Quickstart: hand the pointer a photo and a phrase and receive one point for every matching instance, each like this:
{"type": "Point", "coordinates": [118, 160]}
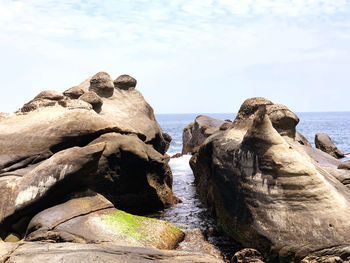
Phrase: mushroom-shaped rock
{"type": "Point", "coordinates": [92, 98]}
{"type": "Point", "coordinates": [250, 106]}
{"type": "Point", "coordinates": [344, 165]}
{"type": "Point", "coordinates": [324, 143]}
{"type": "Point", "coordinates": [125, 82]}
{"type": "Point", "coordinates": [74, 92]}
{"type": "Point", "coordinates": [283, 120]}
{"type": "Point", "coordinates": [49, 95]}
{"type": "Point", "coordinates": [132, 111]}
{"type": "Point", "coordinates": [102, 84]}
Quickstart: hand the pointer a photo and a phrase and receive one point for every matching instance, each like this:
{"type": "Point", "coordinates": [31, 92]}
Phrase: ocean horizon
{"type": "Point", "coordinates": [334, 123]}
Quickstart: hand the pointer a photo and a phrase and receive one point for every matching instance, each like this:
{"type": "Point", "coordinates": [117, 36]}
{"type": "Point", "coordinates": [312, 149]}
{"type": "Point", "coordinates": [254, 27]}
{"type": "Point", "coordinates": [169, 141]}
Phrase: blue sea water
{"type": "Point", "coordinates": [335, 124]}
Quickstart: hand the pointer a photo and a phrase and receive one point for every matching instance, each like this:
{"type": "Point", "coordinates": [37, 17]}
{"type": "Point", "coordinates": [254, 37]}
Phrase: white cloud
{"type": "Point", "coordinates": [189, 37]}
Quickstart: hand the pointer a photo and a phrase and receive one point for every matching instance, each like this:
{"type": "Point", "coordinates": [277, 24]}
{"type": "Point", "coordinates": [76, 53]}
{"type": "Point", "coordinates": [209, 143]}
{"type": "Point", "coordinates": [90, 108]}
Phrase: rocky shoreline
{"type": "Point", "coordinates": [79, 170]}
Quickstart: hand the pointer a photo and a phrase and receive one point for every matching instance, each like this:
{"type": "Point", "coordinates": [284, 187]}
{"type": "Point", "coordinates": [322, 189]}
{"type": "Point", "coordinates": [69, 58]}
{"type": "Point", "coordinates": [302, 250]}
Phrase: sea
{"type": "Point", "coordinates": [335, 124]}
{"type": "Point", "coordinates": [190, 215]}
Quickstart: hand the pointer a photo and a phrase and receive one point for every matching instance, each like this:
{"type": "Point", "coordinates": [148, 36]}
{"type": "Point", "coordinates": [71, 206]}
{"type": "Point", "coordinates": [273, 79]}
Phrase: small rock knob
{"type": "Point", "coordinates": [102, 84]}
{"type": "Point", "coordinates": [92, 98]}
{"type": "Point", "coordinates": [125, 82]}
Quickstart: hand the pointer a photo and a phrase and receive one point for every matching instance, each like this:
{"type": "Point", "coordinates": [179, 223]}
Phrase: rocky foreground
{"type": "Point", "coordinates": [268, 188]}
{"type": "Point", "coordinates": [74, 165]}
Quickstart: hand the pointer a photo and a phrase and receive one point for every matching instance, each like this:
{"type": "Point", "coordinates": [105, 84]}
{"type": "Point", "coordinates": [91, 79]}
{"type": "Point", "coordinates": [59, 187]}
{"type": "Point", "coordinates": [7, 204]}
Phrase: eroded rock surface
{"type": "Point", "coordinates": [46, 184]}
{"type": "Point", "coordinates": [102, 84]}
{"type": "Point", "coordinates": [94, 138]}
{"type": "Point", "coordinates": [144, 187]}
{"type": "Point", "coordinates": [33, 252]}
{"type": "Point", "coordinates": [125, 82]}
{"type": "Point", "coordinates": [129, 108]}
{"type": "Point", "coordinates": [247, 255]}
{"type": "Point", "coordinates": [270, 192]}
{"type": "Point", "coordinates": [324, 143]}
{"type": "Point", "coordinates": [196, 132]}
{"type": "Point", "coordinates": [344, 165]}
{"type": "Point", "coordinates": [93, 219]}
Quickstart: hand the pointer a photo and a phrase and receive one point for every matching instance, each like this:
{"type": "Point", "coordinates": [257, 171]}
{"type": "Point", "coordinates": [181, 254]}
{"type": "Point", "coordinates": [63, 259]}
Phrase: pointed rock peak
{"type": "Point", "coordinates": [125, 82]}
{"type": "Point", "coordinates": [102, 84]}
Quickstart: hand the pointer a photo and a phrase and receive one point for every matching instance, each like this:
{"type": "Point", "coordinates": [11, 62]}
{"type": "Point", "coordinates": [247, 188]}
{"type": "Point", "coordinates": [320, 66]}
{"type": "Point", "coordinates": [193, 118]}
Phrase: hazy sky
{"type": "Point", "coordinates": [187, 55]}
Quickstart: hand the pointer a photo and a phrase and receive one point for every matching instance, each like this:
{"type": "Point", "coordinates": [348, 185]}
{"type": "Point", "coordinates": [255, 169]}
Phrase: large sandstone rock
{"type": "Point", "coordinates": [41, 166]}
{"type": "Point", "coordinates": [93, 219]}
{"type": "Point", "coordinates": [268, 192]}
{"type": "Point", "coordinates": [324, 143]}
{"type": "Point", "coordinates": [196, 132]}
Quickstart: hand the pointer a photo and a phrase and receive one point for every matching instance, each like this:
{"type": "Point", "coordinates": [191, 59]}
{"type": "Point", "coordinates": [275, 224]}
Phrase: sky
{"type": "Point", "coordinates": [187, 55]}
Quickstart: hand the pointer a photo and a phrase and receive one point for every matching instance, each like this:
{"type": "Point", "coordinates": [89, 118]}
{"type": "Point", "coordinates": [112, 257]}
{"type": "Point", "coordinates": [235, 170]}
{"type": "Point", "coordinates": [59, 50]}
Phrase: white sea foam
{"type": "Point", "coordinates": [181, 164]}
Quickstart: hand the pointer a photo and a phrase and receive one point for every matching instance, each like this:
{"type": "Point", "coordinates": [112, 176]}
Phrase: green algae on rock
{"type": "Point", "coordinates": [161, 234]}
{"type": "Point", "coordinates": [91, 218]}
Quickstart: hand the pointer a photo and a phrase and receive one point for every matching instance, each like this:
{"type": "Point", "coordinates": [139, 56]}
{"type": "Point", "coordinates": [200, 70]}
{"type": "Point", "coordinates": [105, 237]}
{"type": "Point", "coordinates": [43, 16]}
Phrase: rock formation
{"type": "Point", "coordinates": [196, 132]}
{"type": "Point", "coordinates": [91, 218]}
{"type": "Point", "coordinates": [324, 143]}
{"type": "Point", "coordinates": [344, 165]}
{"type": "Point", "coordinates": [272, 193]}
{"type": "Point", "coordinates": [125, 82]}
{"type": "Point", "coordinates": [247, 255]}
{"type": "Point", "coordinates": [71, 163]}
{"type": "Point", "coordinates": [34, 252]}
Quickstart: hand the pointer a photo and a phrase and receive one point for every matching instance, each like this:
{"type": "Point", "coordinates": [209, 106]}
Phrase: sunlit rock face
{"type": "Point", "coordinates": [270, 192]}
{"type": "Point", "coordinates": [93, 136]}
{"type": "Point", "coordinates": [325, 144]}
{"type": "Point", "coordinates": [198, 131]}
